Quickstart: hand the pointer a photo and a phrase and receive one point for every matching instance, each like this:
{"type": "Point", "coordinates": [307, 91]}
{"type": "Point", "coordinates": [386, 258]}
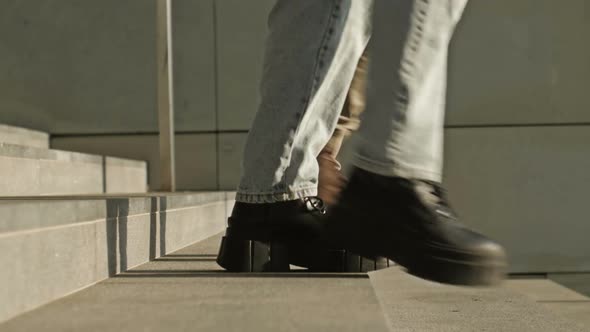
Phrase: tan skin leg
{"type": "Point", "coordinates": [331, 180]}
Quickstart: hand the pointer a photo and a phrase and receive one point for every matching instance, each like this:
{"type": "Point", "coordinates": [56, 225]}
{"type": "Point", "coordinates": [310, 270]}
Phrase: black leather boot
{"type": "Point", "coordinates": [270, 237]}
{"type": "Point", "coordinates": [411, 223]}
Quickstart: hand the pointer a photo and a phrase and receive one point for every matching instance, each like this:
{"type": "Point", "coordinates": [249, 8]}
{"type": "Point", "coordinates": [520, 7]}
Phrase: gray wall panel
{"type": "Point", "coordinates": [569, 36]}
{"type": "Point", "coordinates": [78, 65]}
{"type": "Point", "coordinates": [526, 187]}
{"type": "Point", "coordinates": [231, 148]}
{"type": "Point", "coordinates": [196, 162]}
{"type": "Point", "coordinates": [520, 62]}
{"type": "Point", "coordinates": [241, 31]}
{"type": "Point", "coordinates": [194, 66]}
{"type": "Point", "coordinates": [89, 66]}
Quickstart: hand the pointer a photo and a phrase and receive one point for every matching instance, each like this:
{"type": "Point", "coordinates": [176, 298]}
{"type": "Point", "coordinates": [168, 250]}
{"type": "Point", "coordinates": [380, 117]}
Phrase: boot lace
{"type": "Point", "coordinates": [315, 204]}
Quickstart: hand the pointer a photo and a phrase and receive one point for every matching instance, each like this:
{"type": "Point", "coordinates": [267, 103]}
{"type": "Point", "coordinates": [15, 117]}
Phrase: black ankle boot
{"type": "Point", "coordinates": [270, 237]}
{"type": "Point", "coordinates": [259, 236]}
{"type": "Point", "coordinates": [411, 223]}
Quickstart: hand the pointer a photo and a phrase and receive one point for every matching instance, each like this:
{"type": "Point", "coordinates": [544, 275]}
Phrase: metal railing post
{"type": "Point", "coordinates": [165, 95]}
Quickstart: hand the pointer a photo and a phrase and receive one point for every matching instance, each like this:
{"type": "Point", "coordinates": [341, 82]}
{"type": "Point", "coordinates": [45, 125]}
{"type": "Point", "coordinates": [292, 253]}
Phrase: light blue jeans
{"type": "Point", "coordinates": [312, 51]}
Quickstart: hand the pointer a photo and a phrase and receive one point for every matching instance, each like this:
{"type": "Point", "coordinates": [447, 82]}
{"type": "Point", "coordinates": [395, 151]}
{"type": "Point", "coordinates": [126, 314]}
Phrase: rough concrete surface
{"type": "Point", "coordinates": [560, 300]}
{"type": "Point", "coordinates": [413, 304]}
{"type": "Point", "coordinates": [125, 176]}
{"type": "Point", "coordinates": [24, 137]}
{"type": "Point", "coordinates": [186, 291]}
{"type": "Point", "coordinates": [38, 171]}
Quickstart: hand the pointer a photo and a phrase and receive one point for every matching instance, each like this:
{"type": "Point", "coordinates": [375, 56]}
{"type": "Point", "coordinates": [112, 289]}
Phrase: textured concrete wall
{"type": "Point", "coordinates": [521, 62]}
{"type": "Point", "coordinates": [89, 66]}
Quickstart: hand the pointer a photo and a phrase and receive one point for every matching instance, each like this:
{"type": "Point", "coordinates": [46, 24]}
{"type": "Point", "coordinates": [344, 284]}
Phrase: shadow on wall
{"type": "Point", "coordinates": [162, 215]}
{"type": "Point", "coordinates": [117, 228]}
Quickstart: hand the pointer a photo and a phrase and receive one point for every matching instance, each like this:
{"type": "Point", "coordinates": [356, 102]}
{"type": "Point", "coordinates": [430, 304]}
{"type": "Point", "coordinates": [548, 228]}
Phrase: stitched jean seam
{"type": "Point", "coordinates": [411, 50]}
{"type": "Point", "coordinates": [407, 69]}
{"type": "Point", "coordinates": [315, 77]}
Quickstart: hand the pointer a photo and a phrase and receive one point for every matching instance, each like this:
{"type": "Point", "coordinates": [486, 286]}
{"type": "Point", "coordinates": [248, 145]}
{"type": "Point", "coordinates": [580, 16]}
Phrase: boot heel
{"type": "Point", "coordinates": [354, 263]}
{"type": "Point", "coordinates": [278, 258]}
{"type": "Point", "coordinates": [357, 263]}
{"type": "Point", "coordinates": [345, 261]}
{"type": "Point", "coordinates": [374, 264]}
{"type": "Point", "coordinates": [322, 260]}
{"type": "Point", "coordinates": [383, 263]}
{"type": "Point", "coordinates": [252, 256]}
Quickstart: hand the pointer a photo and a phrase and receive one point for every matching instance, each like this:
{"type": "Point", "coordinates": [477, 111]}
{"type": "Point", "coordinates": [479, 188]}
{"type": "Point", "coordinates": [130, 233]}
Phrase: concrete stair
{"type": "Point", "coordinates": [28, 167]}
{"type": "Point", "coordinates": [412, 304]}
{"type": "Point", "coordinates": [186, 291]}
{"type": "Point", "coordinates": [53, 246]}
{"type": "Point", "coordinates": [69, 220]}
{"type": "Point", "coordinates": [24, 137]}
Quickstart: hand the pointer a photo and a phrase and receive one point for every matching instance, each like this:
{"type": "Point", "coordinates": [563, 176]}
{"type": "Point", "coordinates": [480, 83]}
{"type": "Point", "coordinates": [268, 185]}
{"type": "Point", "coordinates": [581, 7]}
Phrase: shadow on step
{"type": "Point", "coordinates": [117, 229]}
{"type": "Point", "coordinates": [224, 274]}
{"type": "Point", "coordinates": [188, 256]}
{"type": "Point", "coordinates": [116, 235]}
{"type": "Point", "coordinates": [185, 259]}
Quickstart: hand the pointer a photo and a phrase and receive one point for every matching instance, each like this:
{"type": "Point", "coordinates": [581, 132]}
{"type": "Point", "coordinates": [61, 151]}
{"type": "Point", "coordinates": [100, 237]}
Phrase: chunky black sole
{"type": "Point", "coordinates": [252, 256]}
{"type": "Point", "coordinates": [458, 272]}
{"type": "Point", "coordinates": [445, 267]}
{"type": "Point", "coordinates": [242, 255]}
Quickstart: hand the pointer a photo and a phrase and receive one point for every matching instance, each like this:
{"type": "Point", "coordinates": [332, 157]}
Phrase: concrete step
{"type": "Point", "coordinates": [53, 246]}
{"type": "Point", "coordinates": [24, 137]}
{"type": "Point", "coordinates": [29, 171]}
{"type": "Point", "coordinates": [187, 291]}
{"type": "Point", "coordinates": [560, 300]}
{"type": "Point", "coordinates": [413, 304]}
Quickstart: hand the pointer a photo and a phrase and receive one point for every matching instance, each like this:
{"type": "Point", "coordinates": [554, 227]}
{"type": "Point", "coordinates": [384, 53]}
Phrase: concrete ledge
{"type": "Point", "coordinates": [56, 253]}
{"type": "Point", "coordinates": [561, 301]}
{"type": "Point", "coordinates": [34, 212]}
{"type": "Point", "coordinates": [18, 151]}
{"type": "Point", "coordinates": [413, 304]}
{"type": "Point", "coordinates": [37, 171]}
{"type": "Point", "coordinates": [579, 282]}
{"type": "Point", "coordinates": [22, 136]}
{"type": "Point", "coordinates": [125, 175]}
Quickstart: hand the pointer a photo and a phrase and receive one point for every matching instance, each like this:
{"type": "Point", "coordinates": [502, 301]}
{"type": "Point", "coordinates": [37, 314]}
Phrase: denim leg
{"type": "Point", "coordinates": [401, 131]}
{"type": "Point", "coordinates": [312, 51]}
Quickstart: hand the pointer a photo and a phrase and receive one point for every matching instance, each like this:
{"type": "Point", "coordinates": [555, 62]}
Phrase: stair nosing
{"type": "Point", "coordinates": [41, 212]}
{"type": "Point", "coordinates": [29, 152]}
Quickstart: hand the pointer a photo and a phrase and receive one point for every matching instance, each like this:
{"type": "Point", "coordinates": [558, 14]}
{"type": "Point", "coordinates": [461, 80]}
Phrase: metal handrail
{"type": "Point", "coordinates": [165, 95]}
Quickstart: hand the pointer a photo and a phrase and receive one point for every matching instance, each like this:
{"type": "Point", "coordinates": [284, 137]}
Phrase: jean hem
{"type": "Point", "coordinates": [273, 197]}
